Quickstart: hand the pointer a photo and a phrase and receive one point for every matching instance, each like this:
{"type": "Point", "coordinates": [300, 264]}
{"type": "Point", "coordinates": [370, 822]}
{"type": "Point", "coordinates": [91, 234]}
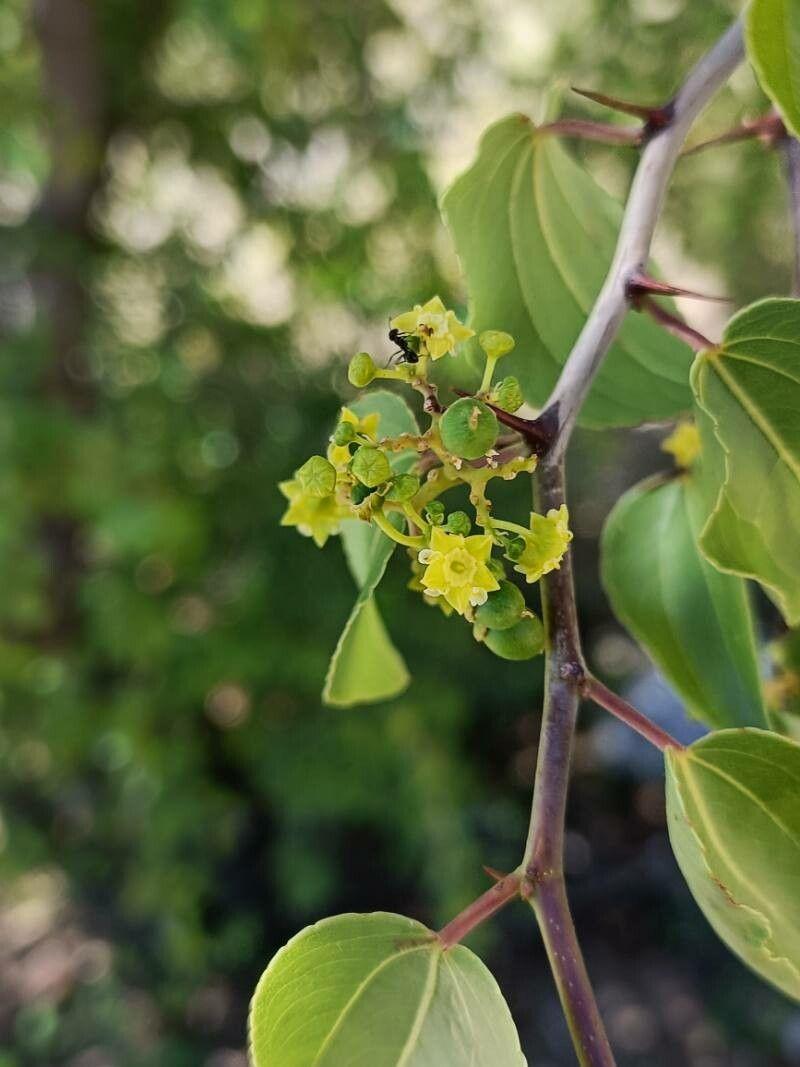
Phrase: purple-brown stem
{"type": "Point", "coordinates": [577, 999]}
{"type": "Point", "coordinates": [543, 862]}
{"type": "Point", "coordinates": [605, 132]}
{"type": "Point", "coordinates": [672, 324]}
{"type": "Point", "coordinates": [769, 129]}
{"type": "Point", "coordinates": [627, 713]}
{"type": "Point", "coordinates": [507, 889]}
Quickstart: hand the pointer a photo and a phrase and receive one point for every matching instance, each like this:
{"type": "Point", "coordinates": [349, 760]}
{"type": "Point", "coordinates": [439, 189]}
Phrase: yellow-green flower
{"type": "Point", "coordinates": [437, 328]}
{"type": "Point", "coordinates": [316, 517]}
{"type": "Point", "coordinates": [683, 443]}
{"type": "Point", "coordinates": [545, 545]}
{"type": "Point", "coordinates": [455, 568]}
{"type": "Point", "coordinates": [339, 455]}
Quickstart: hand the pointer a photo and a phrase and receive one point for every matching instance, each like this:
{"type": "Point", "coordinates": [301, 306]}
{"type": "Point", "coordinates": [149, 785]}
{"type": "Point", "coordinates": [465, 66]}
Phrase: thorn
{"type": "Point", "coordinates": [496, 876]}
{"type": "Point", "coordinates": [769, 129]}
{"type": "Point", "coordinates": [641, 284]}
{"type": "Point", "coordinates": [654, 118]}
{"type": "Point", "coordinates": [672, 324]}
{"type": "Point", "coordinates": [537, 432]}
{"type": "Point", "coordinates": [594, 131]}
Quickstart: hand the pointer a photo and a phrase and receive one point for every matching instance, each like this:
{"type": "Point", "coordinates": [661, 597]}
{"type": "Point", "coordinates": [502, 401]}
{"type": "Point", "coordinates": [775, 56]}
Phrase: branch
{"type": "Point", "coordinates": [565, 671]}
{"type": "Point", "coordinates": [792, 153]}
{"type": "Point", "coordinates": [627, 713]}
{"type": "Point", "coordinates": [506, 889]}
{"type": "Point", "coordinates": [543, 863]}
{"type": "Point", "coordinates": [636, 234]}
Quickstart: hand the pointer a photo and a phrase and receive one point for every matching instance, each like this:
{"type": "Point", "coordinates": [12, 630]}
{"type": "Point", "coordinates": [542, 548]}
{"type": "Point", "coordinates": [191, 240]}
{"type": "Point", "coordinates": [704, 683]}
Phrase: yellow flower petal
{"type": "Point", "coordinates": [407, 322]}
{"type": "Point", "coordinates": [545, 545]}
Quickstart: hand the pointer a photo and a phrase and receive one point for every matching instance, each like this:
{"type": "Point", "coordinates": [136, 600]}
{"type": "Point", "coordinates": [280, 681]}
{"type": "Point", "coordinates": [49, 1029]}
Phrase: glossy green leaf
{"type": "Point", "coordinates": [536, 235]}
{"type": "Point", "coordinates": [693, 620]}
{"type": "Point", "coordinates": [733, 809]}
{"type": "Point", "coordinates": [773, 44]}
{"type": "Point", "coordinates": [366, 667]}
{"type": "Point", "coordinates": [749, 389]}
{"type": "Point", "coordinates": [379, 991]}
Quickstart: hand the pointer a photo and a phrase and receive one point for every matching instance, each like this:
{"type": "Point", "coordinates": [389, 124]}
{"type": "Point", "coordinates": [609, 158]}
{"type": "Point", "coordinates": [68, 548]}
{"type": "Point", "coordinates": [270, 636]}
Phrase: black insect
{"type": "Point", "coordinates": [407, 346]}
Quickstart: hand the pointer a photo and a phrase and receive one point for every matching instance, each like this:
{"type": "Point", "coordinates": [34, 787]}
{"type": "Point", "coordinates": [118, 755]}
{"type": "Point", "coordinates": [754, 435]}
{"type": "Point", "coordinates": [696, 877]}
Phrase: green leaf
{"type": "Point", "coordinates": [379, 990]}
{"type": "Point", "coordinates": [366, 667]}
{"type": "Point", "coordinates": [733, 810]}
{"type": "Point", "coordinates": [749, 389]}
{"type": "Point", "coordinates": [773, 44]}
{"type": "Point", "coordinates": [536, 235]}
{"type": "Point", "coordinates": [693, 620]}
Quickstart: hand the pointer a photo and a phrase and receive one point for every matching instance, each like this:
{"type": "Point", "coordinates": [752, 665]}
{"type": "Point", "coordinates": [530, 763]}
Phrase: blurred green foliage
{"type": "Point", "coordinates": [206, 208]}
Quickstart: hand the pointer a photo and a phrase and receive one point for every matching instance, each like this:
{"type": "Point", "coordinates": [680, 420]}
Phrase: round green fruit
{"type": "Point", "coordinates": [524, 640]}
{"type": "Point", "coordinates": [468, 428]}
{"type": "Point", "coordinates": [371, 466]}
{"type": "Point", "coordinates": [362, 370]}
{"type": "Point", "coordinates": [503, 608]}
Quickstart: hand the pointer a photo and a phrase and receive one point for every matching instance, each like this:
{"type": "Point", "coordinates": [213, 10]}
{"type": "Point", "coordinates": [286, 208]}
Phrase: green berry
{"type": "Point", "coordinates": [404, 487]}
{"type": "Point", "coordinates": [503, 608]}
{"type": "Point", "coordinates": [434, 513]}
{"type": "Point", "coordinates": [507, 394]}
{"type": "Point", "coordinates": [524, 640]}
{"type": "Point", "coordinates": [344, 433]}
{"type": "Point", "coordinates": [496, 567]}
{"type": "Point", "coordinates": [371, 466]}
{"type": "Point", "coordinates": [495, 343]}
{"type": "Point", "coordinates": [458, 522]}
{"type": "Point", "coordinates": [515, 547]}
{"type": "Point", "coordinates": [362, 370]}
{"type": "Point", "coordinates": [317, 477]}
{"type": "Point", "coordinates": [468, 428]}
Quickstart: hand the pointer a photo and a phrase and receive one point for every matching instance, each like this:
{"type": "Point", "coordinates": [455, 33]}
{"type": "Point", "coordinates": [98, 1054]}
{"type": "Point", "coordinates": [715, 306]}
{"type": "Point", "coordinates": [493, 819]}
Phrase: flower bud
{"type": "Point", "coordinates": [495, 343]}
{"type": "Point", "coordinates": [434, 513]}
{"type": "Point", "coordinates": [458, 522]}
{"type": "Point", "coordinates": [468, 428]}
{"type": "Point", "coordinates": [523, 640]}
{"type": "Point", "coordinates": [371, 466]}
{"type": "Point", "coordinates": [344, 433]}
{"type": "Point", "coordinates": [362, 370]}
{"type": "Point", "coordinates": [317, 477]}
{"type": "Point", "coordinates": [507, 394]}
{"type": "Point", "coordinates": [404, 487]}
{"type": "Point", "coordinates": [503, 608]}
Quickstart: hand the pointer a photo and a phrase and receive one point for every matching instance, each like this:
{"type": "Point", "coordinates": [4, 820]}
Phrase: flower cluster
{"type": "Point", "coordinates": [459, 561]}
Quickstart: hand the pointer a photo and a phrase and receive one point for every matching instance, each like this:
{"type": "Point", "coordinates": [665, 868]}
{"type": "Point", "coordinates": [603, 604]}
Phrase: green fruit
{"type": "Point", "coordinates": [458, 522]}
{"type": "Point", "coordinates": [404, 487]}
{"type": "Point", "coordinates": [503, 608]}
{"type": "Point", "coordinates": [317, 477]}
{"type": "Point", "coordinates": [507, 394]}
{"type": "Point", "coordinates": [362, 370]}
{"type": "Point", "coordinates": [524, 640]}
{"type": "Point", "coordinates": [468, 428]}
{"type": "Point", "coordinates": [434, 513]}
{"type": "Point", "coordinates": [344, 433]}
{"type": "Point", "coordinates": [371, 466]}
